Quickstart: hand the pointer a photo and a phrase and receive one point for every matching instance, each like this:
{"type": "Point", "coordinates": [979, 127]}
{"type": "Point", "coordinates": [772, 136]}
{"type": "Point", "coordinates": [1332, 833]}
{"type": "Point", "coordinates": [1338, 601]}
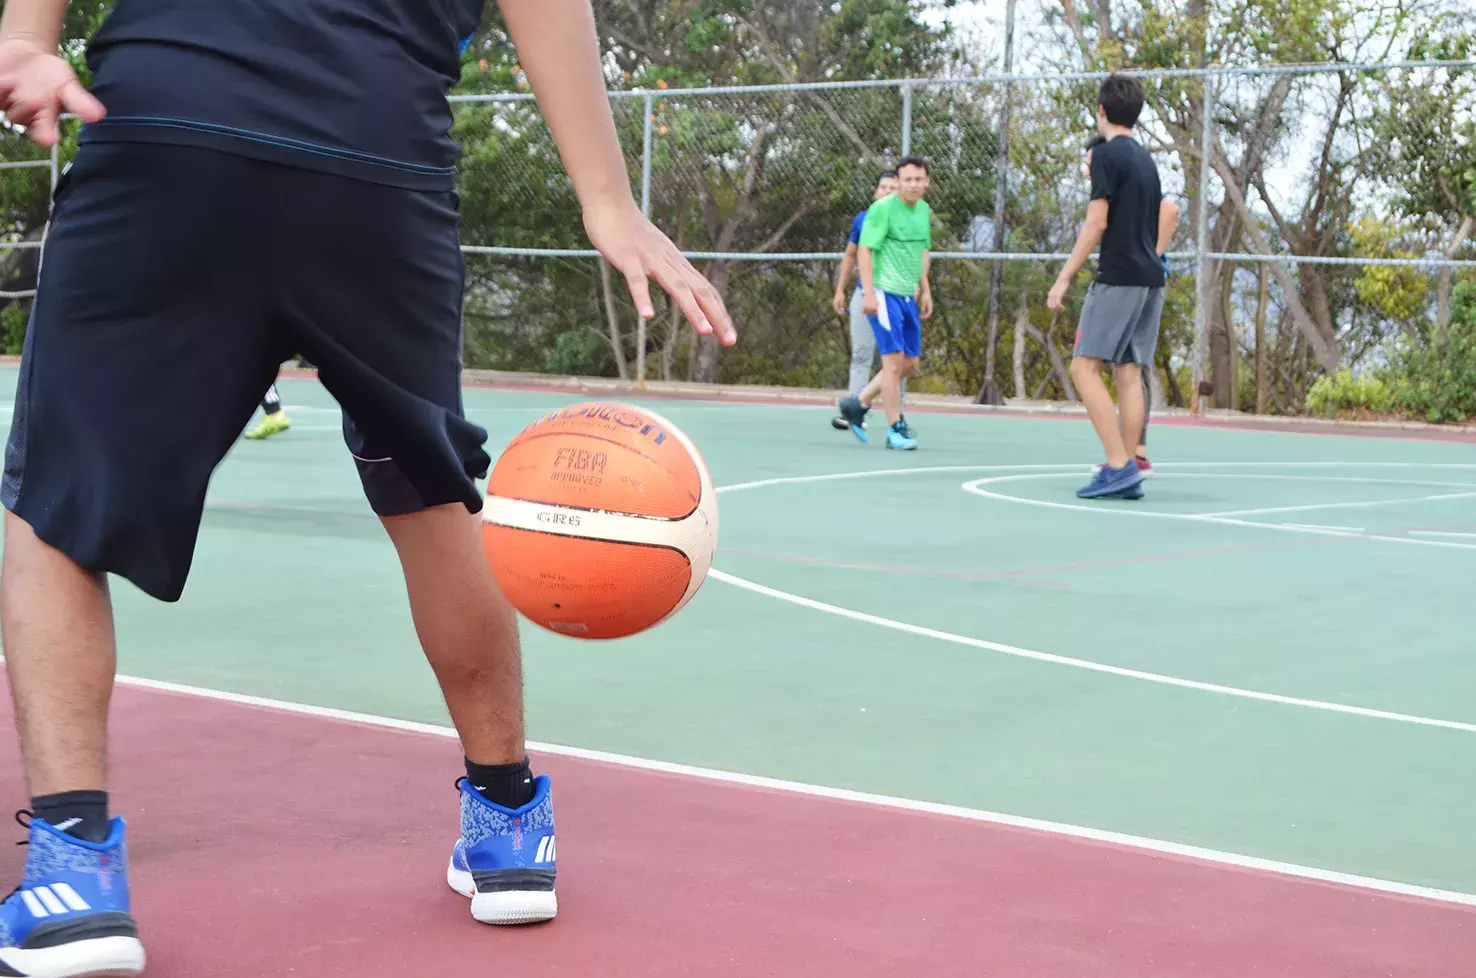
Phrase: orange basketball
{"type": "Point", "coordinates": [600, 520]}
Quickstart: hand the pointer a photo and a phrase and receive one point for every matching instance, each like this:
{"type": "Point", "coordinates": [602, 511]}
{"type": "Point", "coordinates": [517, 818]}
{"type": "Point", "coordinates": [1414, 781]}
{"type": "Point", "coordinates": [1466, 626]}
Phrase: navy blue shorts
{"type": "Point", "coordinates": [174, 282]}
{"type": "Point", "coordinates": [897, 325]}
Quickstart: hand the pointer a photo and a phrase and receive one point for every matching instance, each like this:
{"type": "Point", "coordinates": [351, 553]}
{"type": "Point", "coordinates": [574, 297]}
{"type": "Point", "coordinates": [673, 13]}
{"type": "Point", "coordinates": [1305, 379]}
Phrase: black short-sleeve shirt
{"type": "Point", "coordinates": [356, 87]}
{"type": "Point", "coordinates": [1123, 173]}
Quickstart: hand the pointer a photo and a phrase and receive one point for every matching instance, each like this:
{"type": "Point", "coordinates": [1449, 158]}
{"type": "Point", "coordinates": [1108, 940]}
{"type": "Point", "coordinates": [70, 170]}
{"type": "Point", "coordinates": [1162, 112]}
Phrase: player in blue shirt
{"type": "Point", "coordinates": [258, 178]}
{"type": "Point", "coordinates": [863, 343]}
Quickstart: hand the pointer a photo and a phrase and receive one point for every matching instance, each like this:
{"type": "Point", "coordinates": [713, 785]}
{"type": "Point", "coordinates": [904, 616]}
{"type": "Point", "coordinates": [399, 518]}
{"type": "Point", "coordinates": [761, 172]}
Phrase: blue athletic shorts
{"type": "Point", "coordinates": [897, 325]}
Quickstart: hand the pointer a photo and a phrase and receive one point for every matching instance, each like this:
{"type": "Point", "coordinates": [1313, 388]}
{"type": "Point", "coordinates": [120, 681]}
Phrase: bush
{"type": "Point", "coordinates": [1437, 381]}
{"type": "Point", "coordinates": [1344, 393]}
{"type": "Point", "coordinates": [13, 320]}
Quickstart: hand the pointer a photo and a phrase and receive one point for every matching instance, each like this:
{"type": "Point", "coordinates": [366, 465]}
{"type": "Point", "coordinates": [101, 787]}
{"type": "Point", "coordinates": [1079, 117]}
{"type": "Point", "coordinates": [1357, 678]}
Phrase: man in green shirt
{"type": "Point", "coordinates": [895, 295]}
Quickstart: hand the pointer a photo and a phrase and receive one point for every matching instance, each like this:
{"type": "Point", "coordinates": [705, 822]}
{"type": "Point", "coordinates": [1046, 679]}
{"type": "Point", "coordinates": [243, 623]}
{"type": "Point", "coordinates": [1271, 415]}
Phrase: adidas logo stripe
{"type": "Point", "coordinates": [545, 852]}
{"type": "Point", "coordinates": [51, 900]}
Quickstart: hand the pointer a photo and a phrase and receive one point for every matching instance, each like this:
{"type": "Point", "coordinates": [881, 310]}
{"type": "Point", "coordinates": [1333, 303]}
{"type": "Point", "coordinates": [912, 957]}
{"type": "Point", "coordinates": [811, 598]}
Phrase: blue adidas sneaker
{"type": "Point", "coordinates": [504, 859]}
{"type": "Point", "coordinates": [70, 916]}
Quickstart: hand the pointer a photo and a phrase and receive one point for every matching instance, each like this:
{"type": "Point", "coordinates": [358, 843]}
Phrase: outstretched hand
{"type": "Point", "coordinates": [633, 245]}
{"type": "Point", "coordinates": [37, 87]}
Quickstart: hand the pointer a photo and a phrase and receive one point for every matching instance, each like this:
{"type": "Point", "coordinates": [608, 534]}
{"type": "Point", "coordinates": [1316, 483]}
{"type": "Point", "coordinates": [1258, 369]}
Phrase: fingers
{"type": "Point", "coordinates": [42, 127]}
{"type": "Point", "coordinates": [675, 283]}
{"type": "Point", "coordinates": [699, 301]}
{"type": "Point", "coordinates": [640, 292]}
{"type": "Point", "coordinates": [81, 103]}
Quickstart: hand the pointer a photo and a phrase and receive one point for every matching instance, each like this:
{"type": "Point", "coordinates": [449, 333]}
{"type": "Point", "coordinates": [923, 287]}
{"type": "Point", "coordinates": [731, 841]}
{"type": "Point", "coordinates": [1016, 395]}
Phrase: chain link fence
{"type": "Point", "coordinates": [1329, 215]}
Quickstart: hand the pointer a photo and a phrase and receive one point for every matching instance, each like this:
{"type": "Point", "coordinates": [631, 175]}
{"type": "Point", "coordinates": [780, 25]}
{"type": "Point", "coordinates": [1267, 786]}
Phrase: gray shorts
{"type": "Point", "coordinates": [1119, 323]}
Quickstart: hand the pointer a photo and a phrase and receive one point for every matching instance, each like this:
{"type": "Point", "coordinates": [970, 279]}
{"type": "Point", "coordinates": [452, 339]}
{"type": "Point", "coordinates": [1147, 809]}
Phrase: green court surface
{"type": "Point", "coordinates": [1284, 621]}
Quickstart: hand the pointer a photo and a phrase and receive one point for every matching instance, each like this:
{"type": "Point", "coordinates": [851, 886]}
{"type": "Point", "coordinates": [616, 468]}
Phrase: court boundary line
{"type": "Point", "coordinates": [1122, 840]}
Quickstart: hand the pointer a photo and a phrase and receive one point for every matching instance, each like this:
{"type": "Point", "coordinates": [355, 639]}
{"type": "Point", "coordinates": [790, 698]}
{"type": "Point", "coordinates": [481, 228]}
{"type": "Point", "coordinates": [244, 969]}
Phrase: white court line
{"type": "Point", "coordinates": [1141, 843]}
{"type": "Point", "coordinates": [1442, 533]}
{"type": "Point", "coordinates": [1349, 505]}
{"type": "Point", "coordinates": [977, 488]}
{"type": "Point", "coordinates": [1353, 530]}
{"type": "Point", "coordinates": [1087, 664]}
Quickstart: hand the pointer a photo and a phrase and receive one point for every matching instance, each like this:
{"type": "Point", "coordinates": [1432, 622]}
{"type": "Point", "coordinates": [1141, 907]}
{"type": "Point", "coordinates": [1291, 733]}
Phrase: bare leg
{"type": "Point", "coordinates": [1147, 408]}
{"type": "Point", "coordinates": [894, 367]}
{"type": "Point", "coordinates": [1087, 374]}
{"type": "Point", "coordinates": [1130, 403]}
{"type": "Point", "coordinates": [468, 630]}
{"type": "Point", "coordinates": [873, 389]}
{"type": "Point", "coordinates": [59, 657]}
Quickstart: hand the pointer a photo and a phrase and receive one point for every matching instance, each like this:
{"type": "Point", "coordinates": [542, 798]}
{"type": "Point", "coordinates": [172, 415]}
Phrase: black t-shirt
{"type": "Point", "coordinates": [1123, 173]}
{"type": "Point", "coordinates": [356, 87]}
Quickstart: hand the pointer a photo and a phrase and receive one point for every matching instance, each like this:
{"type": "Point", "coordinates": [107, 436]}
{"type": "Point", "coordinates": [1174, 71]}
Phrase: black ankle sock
{"type": "Point", "coordinates": [508, 785]}
{"type": "Point", "coordinates": [83, 814]}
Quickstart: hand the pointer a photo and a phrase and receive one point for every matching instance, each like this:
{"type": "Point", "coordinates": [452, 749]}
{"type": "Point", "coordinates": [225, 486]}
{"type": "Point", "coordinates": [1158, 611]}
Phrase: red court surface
{"type": "Point", "coordinates": [269, 843]}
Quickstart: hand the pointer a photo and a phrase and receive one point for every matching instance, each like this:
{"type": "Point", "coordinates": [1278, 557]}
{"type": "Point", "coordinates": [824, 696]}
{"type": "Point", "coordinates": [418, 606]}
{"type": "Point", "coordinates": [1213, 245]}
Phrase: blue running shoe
{"type": "Point", "coordinates": [899, 440]}
{"type": "Point", "coordinates": [1108, 481]}
{"type": "Point", "coordinates": [70, 917]}
{"type": "Point", "coordinates": [854, 412]}
{"type": "Point", "coordinates": [504, 859]}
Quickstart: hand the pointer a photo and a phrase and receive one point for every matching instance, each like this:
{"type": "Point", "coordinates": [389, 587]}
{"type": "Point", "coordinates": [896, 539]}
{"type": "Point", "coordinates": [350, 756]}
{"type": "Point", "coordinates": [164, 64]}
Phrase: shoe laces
{"type": "Point", "coordinates": [23, 818]}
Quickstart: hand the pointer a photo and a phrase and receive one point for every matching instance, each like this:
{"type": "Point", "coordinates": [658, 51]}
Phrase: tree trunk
{"type": "Point", "coordinates": [1445, 282]}
{"type": "Point", "coordinates": [612, 321]}
{"type": "Point", "coordinates": [1261, 301]}
{"type": "Point", "coordinates": [1325, 347]}
{"type": "Point", "coordinates": [705, 348]}
{"type": "Point", "coordinates": [1172, 394]}
{"type": "Point", "coordinates": [1232, 341]}
{"type": "Point", "coordinates": [1022, 319]}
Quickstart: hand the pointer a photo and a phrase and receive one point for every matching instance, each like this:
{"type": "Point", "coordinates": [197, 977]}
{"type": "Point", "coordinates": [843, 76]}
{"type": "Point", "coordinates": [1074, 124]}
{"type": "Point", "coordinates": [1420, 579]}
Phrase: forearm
{"type": "Point", "coordinates": [38, 21]}
{"type": "Point", "coordinates": [559, 51]}
{"type": "Point", "coordinates": [848, 265]}
{"type": "Point", "coordinates": [1086, 243]}
{"type": "Point", "coordinates": [926, 285]}
{"type": "Point", "coordinates": [863, 257]}
{"type": "Point", "coordinates": [1168, 223]}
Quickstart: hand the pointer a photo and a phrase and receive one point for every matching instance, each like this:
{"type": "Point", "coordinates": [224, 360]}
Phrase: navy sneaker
{"type": "Point", "coordinates": [70, 917]}
{"type": "Point", "coordinates": [1108, 481]}
{"type": "Point", "coordinates": [504, 859]}
{"type": "Point", "coordinates": [854, 412]}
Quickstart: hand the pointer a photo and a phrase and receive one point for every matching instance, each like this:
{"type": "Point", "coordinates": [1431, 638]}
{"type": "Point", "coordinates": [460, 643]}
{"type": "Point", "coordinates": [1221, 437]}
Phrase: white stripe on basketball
{"type": "Point", "coordinates": [49, 898]}
{"type": "Point", "coordinates": [33, 905]}
{"type": "Point", "coordinates": [70, 897]}
{"type": "Point", "coordinates": [694, 535]}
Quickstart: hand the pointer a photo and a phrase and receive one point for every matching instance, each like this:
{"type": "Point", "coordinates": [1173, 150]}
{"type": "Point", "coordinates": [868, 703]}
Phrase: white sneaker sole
{"type": "Point", "coordinates": [504, 909]}
{"type": "Point", "coordinates": [100, 957]}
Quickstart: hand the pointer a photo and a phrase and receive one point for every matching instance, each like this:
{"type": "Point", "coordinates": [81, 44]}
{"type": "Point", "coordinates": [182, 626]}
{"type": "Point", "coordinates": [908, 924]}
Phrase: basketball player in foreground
{"type": "Point", "coordinates": [260, 178]}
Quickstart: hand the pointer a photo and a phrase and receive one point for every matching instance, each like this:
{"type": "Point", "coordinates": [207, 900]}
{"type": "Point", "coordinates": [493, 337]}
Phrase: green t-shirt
{"type": "Point", "coordinates": [898, 236]}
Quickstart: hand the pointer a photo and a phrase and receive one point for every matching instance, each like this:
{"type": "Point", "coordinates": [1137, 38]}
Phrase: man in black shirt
{"type": "Point", "coordinates": [259, 178]}
{"type": "Point", "coordinates": [1119, 321]}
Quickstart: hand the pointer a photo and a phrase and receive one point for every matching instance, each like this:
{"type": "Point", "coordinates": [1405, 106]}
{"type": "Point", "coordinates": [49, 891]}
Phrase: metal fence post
{"type": "Point", "coordinates": [906, 120]}
{"type": "Point", "coordinates": [647, 127]}
{"type": "Point", "coordinates": [1202, 297]}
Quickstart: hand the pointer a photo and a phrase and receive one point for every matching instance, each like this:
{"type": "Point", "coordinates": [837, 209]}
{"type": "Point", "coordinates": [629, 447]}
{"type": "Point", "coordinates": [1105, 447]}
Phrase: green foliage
{"type": "Point", "coordinates": [1437, 381]}
{"type": "Point", "coordinates": [1343, 393]}
{"type": "Point", "coordinates": [579, 352]}
{"type": "Point", "coordinates": [13, 320]}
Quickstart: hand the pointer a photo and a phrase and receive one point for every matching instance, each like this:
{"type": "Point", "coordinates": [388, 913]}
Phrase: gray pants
{"type": "Point", "coordinates": [1119, 323]}
{"type": "Point", "coordinates": [863, 348]}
